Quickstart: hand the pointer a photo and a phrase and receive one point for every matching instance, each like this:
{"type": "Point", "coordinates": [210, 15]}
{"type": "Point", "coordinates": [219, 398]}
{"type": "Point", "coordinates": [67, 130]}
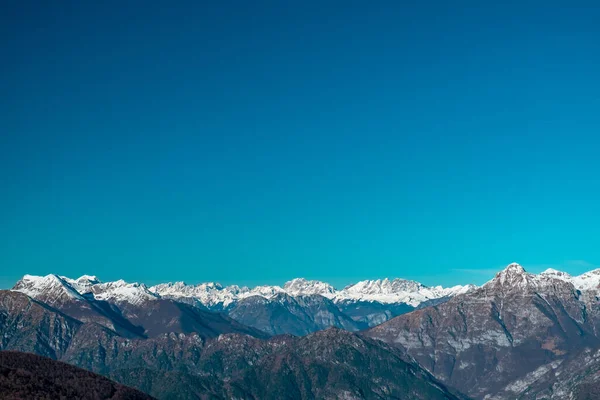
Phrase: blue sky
{"type": "Point", "coordinates": [254, 142]}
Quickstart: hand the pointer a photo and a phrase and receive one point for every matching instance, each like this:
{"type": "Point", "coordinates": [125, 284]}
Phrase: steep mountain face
{"type": "Point", "coordinates": [50, 289]}
{"type": "Point", "coordinates": [129, 309]}
{"type": "Point", "coordinates": [574, 378]}
{"type": "Point", "coordinates": [73, 297]}
{"type": "Point", "coordinates": [328, 364]}
{"type": "Point", "coordinates": [372, 313]}
{"type": "Point", "coordinates": [31, 326]}
{"type": "Point", "coordinates": [299, 315]}
{"type": "Point", "coordinates": [497, 340]}
{"type": "Point", "coordinates": [166, 316]}
{"type": "Point", "coordinates": [231, 365]}
{"type": "Point", "coordinates": [334, 364]}
{"type": "Point", "coordinates": [29, 376]}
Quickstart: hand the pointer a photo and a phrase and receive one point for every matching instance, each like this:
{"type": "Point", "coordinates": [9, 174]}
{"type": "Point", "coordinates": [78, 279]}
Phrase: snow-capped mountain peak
{"type": "Point", "coordinates": [123, 292]}
{"type": "Point", "coordinates": [513, 276]}
{"type": "Point", "coordinates": [384, 286]}
{"type": "Point", "coordinates": [51, 288]}
{"type": "Point", "coordinates": [82, 284]}
{"type": "Point", "coordinates": [91, 279]}
{"type": "Point", "coordinates": [513, 269]}
{"type": "Point", "coordinates": [556, 274]}
{"type": "Point", "coordinates": [301, 286]}
{"type": "Point", "coordinates": [397, 291]}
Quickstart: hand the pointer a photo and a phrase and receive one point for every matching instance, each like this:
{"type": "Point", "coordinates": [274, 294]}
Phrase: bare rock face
{"type": "Point", "coordinates": [30, 326]}
{"type": "Point", "coordinates": [284, 314]}
{"type": "Point", "coordinates": [495, 341]}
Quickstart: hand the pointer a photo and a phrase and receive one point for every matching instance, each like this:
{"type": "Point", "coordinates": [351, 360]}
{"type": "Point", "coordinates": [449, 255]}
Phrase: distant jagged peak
{"type": "Point", "coordinates": [123, 292]}
{"type": "Point", "coordinates": [384, 286]}
{"type": "Point", "coordinates": [556, 274]}
{"type": "Point", "coordinates": [513, 268]}
{"type": "Point", "coordinates": [83, 284]}
{"type": "Point", "coordinates": [512, 276]}
{"type": "Point", "coordinates": [301, 286]}
{"type": "Point", "coordinates": [91, 279]}
{"type": "Point", "coordinates": [214, 294]}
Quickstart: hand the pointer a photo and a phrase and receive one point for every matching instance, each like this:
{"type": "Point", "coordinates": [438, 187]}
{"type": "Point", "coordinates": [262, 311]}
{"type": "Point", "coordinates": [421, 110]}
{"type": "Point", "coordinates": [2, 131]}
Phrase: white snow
{"type": "Point", "coordinates": [381, 290]}
{"type": "Point", "coordinates": [301, 286]}
{"type": "Point", "coordinates": [213, 294]}
{"type": "Point", "coordinates": [587, 281]}
{"type": "Point", "coordinates": [121, 291]}
{"type": "Point", "coordinates": [52, 288]}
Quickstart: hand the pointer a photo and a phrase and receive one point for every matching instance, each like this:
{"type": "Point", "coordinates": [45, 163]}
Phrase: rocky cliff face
{"type": "Point", "coordinates": [495, 341]}
{"type": "Point", "coordinates": [30, 326]}
{"type": "Point", "coordinates": [284, 314]}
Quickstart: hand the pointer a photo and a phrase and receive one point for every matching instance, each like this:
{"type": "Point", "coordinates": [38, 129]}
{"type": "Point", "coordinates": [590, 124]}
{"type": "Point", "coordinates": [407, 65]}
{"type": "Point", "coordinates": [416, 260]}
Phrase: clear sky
{"type": "Point", "coordinates": [252, 142]}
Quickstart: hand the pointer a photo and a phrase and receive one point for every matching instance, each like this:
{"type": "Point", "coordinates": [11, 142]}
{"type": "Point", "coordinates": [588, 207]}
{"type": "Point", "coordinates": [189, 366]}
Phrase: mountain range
{"type": "Point", "coordinates": [299, 307]}
{"type": "Point", "coordinates": [518, 336]}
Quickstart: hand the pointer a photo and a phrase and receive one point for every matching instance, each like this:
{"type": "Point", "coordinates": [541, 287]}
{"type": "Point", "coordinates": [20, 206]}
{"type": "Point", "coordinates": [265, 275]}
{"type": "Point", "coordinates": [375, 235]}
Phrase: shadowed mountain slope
{"type": "Point", "coordinates": [29, 376]}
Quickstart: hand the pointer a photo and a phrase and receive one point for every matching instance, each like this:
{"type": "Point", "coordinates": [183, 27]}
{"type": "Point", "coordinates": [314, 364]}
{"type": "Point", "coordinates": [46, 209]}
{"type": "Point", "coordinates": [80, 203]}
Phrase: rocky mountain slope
{"type": "Point", "coordinates": [29, 376]}
{"type": "Point", "coordinates": [330, 364]}
{"type": "Point", "coordinates": [299, 307]}
{"type": "Point", "coordinates": [128, 309]}
{"type": "Point", "coordinates": [497, 341]}
{"type": "Point", "coordinates": [325, 364]}
{"type": "Point", "coordinates": [519, 336]}
{"type": "Point", "coordinates": [298, 315]}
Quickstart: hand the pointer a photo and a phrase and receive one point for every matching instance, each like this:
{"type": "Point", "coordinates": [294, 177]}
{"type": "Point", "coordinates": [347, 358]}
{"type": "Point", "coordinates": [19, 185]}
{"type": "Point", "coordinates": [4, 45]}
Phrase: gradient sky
{"type": "Point", "coordinates": [254, 142]}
